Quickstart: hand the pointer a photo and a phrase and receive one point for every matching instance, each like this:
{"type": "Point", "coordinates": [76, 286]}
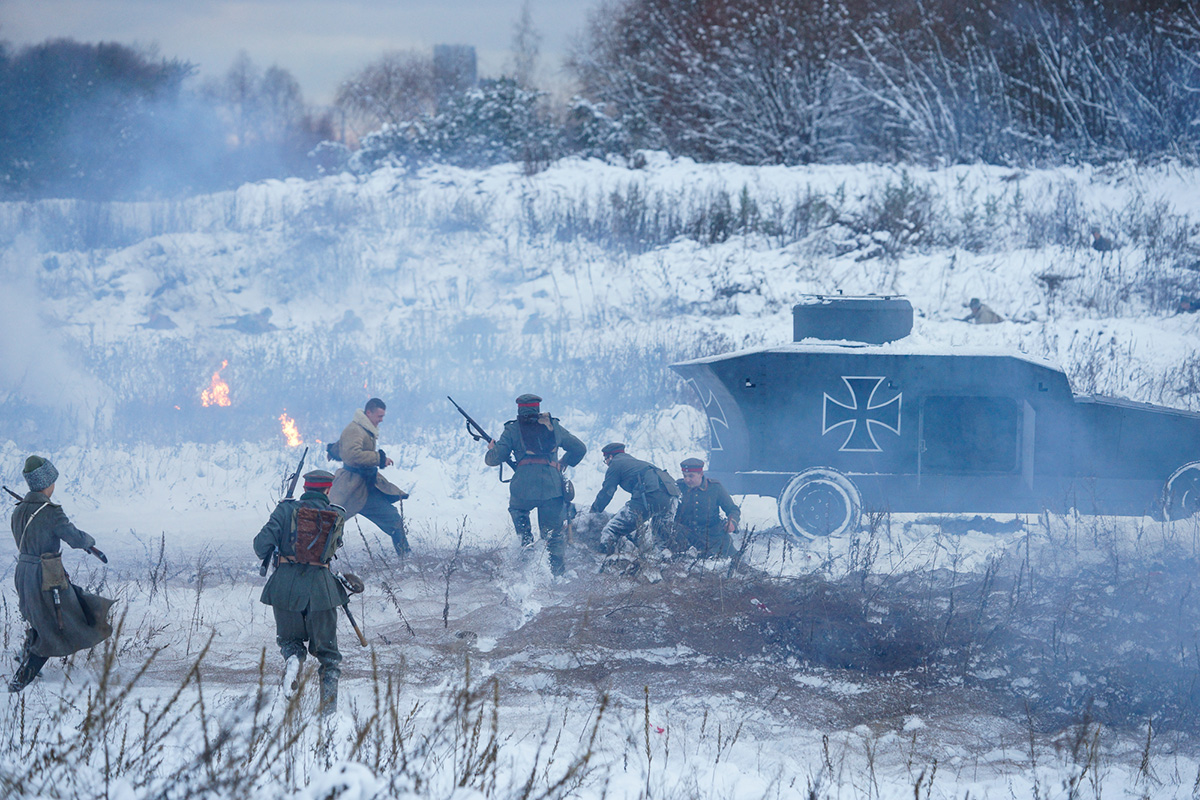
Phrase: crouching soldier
{"type": "Point", "coordinates": [651, 492]}
{"type": "Point", "coordinates": [62, 617]}
{"type": "Point", "coordinates": [698, 520]}
{"type": "Point", "coordinates": [303, 591]}
{"type": "Point", "coordinates": [534, 439]}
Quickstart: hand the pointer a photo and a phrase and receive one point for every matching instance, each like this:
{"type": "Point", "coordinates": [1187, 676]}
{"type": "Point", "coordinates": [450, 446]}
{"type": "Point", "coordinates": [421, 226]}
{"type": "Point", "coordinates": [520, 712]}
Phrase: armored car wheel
{"type": "Point", "coordinates": [819, 502]}
{"type": "Point", "coordinates": [1181, 495]}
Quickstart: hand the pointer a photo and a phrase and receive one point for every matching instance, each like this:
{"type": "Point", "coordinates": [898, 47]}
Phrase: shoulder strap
{"type": "Point", "coordinates": [24, 530]}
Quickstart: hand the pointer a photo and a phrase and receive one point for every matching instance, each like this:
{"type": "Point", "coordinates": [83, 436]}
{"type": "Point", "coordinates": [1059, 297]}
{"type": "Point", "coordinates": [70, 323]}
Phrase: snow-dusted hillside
{"type": "Point", "coordinates": [583, 283]}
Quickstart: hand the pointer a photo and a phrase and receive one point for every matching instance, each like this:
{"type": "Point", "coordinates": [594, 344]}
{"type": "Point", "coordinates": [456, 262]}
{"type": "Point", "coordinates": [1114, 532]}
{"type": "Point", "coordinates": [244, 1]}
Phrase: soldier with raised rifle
{"type": "Point", "coordinates": [62, 617]}
{"type": "Point", "coordinates": [303, 591]}
{"type": "Point", "coordinates": [534, 439]}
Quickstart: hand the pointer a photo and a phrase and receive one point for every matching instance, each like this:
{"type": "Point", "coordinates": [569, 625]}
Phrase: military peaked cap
{"type": "Point", "coordinates": [612, 448]}
{"type": "Point", "coordinates": [530, 400]}
{"type": "Point", "coordinates": [692, 465]}
{"type": "Point", "coordinates": [318, 479]}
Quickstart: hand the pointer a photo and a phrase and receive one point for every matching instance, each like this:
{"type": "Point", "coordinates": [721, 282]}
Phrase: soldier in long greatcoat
{"type": "Point", "coordinates": [358, 487]}
{"type": "Point", "coordinates": [533, 439]}
{"type": "Point", "coordinates": [62, 617]}
{"type": "Point", "coordinates": [302, 591]}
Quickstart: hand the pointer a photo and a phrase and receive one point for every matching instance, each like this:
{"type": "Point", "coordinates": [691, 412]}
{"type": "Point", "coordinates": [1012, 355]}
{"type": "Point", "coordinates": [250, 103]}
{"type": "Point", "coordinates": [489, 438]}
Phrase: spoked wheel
{"type": "Point", "coordinates": [819, 502]}
{"type": "Point", "coordinates": [1181, 495]}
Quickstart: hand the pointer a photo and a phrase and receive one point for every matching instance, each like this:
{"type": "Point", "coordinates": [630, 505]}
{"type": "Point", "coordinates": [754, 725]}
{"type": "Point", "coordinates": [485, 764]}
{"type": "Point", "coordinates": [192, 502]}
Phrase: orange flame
{"type": "Point", "coordinates": [217, 393]}
{"type": "Point", "coordinates": [288, 426]}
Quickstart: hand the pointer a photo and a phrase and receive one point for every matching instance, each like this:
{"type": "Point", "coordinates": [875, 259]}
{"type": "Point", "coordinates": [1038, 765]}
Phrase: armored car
{"type": "Point", "coordinates": [851, 418]}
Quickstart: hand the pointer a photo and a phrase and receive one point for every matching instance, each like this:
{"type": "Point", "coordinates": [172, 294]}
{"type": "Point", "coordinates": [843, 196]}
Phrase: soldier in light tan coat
{"type": "Point", "coordinates": [358, 487]}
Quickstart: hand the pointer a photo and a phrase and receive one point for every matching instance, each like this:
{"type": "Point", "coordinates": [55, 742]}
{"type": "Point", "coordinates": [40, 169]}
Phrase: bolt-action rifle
{"type": "Point", "coordinates": [93, 549]}
{"type": "Point", "coordinates": [290, 483]}
{"type": "Point", "coordinates": [480, 435]}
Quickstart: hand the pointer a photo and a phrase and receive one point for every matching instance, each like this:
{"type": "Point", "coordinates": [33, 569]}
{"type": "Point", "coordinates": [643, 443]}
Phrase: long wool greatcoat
{"type": "Point", "coordinates": [297, 587]}
{"type": "Point", "coordinates": [536, 479]}
{"type": "Point", "coordinates": [39, 526]}
{"type": "Point", "coordinates": [363, 460]}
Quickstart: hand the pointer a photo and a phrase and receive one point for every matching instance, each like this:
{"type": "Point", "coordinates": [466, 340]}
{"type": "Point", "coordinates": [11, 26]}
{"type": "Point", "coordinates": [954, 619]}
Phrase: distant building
{"type": "Point", "coordinates": [454, 70]}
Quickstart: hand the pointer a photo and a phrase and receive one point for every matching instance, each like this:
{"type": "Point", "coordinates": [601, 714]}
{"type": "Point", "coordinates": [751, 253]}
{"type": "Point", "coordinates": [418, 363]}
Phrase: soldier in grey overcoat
{"type": "Point", "coordinates": [698, 520]}
{"type": "Point", "coordinates": [533, 439]}
{"type": "Point", "coordinates": [650, 495]}
{"type": "Point", "coordinates": [62, 617]}
{"type": "Point", "coordinates": [305, 596]}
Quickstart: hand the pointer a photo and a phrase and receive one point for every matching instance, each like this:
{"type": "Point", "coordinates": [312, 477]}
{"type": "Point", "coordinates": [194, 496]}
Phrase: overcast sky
{"type": "Point", "coordinates": [319, 41]}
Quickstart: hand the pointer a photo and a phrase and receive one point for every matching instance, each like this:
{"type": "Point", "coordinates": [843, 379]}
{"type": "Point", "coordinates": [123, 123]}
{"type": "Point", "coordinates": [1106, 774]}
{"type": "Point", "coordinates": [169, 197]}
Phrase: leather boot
{"type": "Point", "coordinates": [31, 665]}
{"type": "Point", "coordinates": [329, 687]}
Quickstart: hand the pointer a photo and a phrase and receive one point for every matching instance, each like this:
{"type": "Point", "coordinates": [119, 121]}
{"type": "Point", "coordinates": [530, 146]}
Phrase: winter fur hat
{"type": "Point", "coordinates": [39, 473]}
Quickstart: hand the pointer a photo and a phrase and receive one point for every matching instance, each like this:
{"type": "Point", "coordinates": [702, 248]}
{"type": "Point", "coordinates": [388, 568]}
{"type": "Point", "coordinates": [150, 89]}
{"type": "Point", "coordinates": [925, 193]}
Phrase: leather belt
{"type": "Point", "coordinates": [538, 460]}
{"type": "Point", "coordinates": [29, 558]}
{"type": "Point", "coordinates": [292, 560]}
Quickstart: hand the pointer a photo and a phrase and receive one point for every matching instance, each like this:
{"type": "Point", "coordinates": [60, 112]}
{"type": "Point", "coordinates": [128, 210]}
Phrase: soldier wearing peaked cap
{"type": "Point", "coordinates": [651, 492]}
{"type": "Point", "coordinates": [62, 617]}
{"type": "Point", "coordinates": [698, 520]}
{"type": "Point", "coordinates": [534, 439]}
{"type": "Point", "coordinates": [303, 592]}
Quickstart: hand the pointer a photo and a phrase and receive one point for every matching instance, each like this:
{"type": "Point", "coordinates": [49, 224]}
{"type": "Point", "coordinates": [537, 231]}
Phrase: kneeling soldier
{"type": "Point", "coordinates": [303, 591]}
{"type": "Point", "coordinates": [651, 491]}
{"type": "Point", "coordinates": [698, 516]}
{"type": "Point", "coordinates": [62, 617]}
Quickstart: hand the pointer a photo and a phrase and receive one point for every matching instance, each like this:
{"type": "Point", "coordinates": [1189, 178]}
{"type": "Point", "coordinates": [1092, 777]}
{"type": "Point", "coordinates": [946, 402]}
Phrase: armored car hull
{"type": "Point", "coordinates": [836, 430]}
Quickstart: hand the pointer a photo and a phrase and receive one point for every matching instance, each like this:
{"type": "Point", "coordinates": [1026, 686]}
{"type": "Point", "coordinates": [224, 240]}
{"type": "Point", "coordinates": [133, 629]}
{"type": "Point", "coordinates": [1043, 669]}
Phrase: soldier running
{"type": "Point", "coordinates": [651, 491]}
{"type": "Point", "coordinates": [698, 520]}
{"type": "Point", "coordinates": [303, 592]}
{"type": "Point", "coordinates": [358, 487]}
{"type": "Point", "coordinates": [62, 617]}
{"type": "Point", "coordinates": [534, 439]}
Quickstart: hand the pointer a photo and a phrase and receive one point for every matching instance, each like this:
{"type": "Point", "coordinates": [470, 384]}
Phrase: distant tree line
{"type": "Point", "coordinates": [107, 120]}
{"type": "Point", "coordinates": [1016, 82]}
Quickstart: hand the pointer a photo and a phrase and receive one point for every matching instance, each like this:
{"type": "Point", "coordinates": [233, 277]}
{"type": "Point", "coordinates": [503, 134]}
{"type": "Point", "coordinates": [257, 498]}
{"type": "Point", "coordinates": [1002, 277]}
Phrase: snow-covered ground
{"type": "Point", "coordinates": [898, 661]}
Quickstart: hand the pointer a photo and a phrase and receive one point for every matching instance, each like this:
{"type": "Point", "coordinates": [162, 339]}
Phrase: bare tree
{"type": "Point", "coordinates": [526, 47]}
{"type": "Point", "coordinates": [395, 89]}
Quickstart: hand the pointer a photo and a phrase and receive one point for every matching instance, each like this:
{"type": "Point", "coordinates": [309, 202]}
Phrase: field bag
{"type": "Point", "coordinates": [54, 576]}
{"type": "Point", "coordinates": [316, 534]}
{"type": "Point", "coordinates": [668, 483]}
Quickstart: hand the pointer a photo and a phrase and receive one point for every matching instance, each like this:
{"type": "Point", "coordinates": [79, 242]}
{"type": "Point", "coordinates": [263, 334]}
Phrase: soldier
{"type": "Point", "coordinates": [358, 487]}
{"type": "Point", "coordinates": [534, 439]}
{"type": "Point", "coordinates": [651, 491]}
{"type": "Point", "coordinates": [302, 591]}
{"type": "Point", "coordinates": [62, 617]}
{"type": "Point", "coordinates": [981, 314]}
{"type": "Point", "coordinates": [698, 516]}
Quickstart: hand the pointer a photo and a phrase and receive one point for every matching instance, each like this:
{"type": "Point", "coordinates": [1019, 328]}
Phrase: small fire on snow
{"type": "Point", "coordinates": [217, 393]}
{"type": "Point", "coordinates": [288, 426]}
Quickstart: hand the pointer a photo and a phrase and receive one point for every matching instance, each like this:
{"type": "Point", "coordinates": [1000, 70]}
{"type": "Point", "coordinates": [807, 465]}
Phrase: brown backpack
{"type": "Point", "coordinates": [317, 533]}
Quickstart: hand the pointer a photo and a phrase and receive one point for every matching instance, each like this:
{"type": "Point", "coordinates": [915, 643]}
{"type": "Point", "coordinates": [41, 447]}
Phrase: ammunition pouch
{"type": "Point", "coordinates": [54, 576]}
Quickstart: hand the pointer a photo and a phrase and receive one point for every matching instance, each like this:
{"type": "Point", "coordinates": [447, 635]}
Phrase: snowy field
{"type": "Point", "coordinates": [926, 657]}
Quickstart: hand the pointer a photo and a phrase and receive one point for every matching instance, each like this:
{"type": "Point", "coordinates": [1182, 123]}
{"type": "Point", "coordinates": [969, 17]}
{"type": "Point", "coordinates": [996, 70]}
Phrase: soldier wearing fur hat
{"type": "Point", "coordinates": [534, 439]}
{"type": "Point", "coordinates": [651, 492]}
{"type": "Point", "coordinates": [698, 520]}
{"type": "Point", "coordinates": [303, 592]}
{"type": "Point", "coordinates": [358, 487]}
{"type": "Point", "coordinates": [62, 617]}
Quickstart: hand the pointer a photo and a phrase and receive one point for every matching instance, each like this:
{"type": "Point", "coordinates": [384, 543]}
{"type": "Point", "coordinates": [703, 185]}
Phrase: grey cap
{"type": "Point", "coordinates": [612, 448]}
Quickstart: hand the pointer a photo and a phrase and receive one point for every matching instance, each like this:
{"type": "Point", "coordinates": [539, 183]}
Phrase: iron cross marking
{"type": "Point", "coordinates": [863, 416]}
